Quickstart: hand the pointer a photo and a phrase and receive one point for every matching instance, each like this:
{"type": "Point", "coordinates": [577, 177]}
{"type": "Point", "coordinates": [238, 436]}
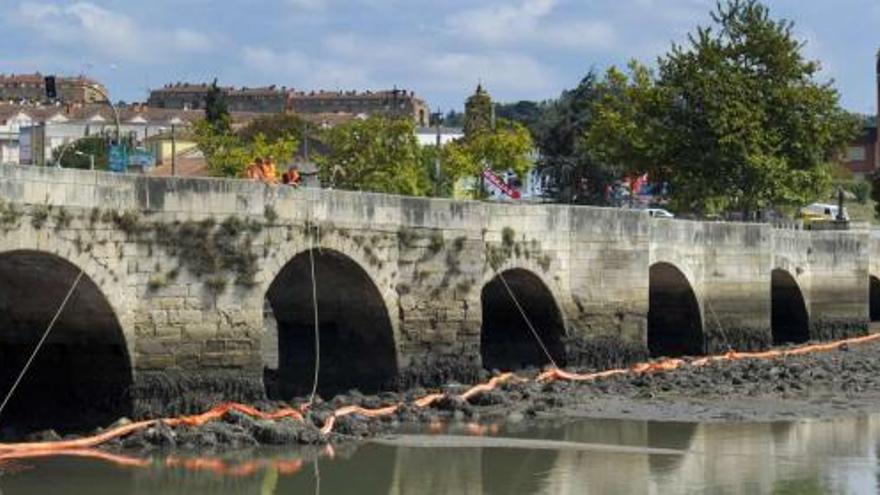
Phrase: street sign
{"type": "Point", "coordinates": [118, 158]}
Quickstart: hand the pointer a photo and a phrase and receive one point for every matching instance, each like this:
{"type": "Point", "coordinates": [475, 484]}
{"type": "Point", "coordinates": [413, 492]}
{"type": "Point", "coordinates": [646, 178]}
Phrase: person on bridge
{"type": "Point", "coordinates": [268, 170]}
{"type": "Point", "coordinates": [292, 177]}
{"type": "Point", "coordinates": [254, 171]}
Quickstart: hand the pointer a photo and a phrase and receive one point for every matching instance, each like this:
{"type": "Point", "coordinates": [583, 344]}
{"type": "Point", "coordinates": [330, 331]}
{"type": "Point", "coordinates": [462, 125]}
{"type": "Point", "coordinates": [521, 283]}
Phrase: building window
{"type": "Point", "coordinates": [855, 154]}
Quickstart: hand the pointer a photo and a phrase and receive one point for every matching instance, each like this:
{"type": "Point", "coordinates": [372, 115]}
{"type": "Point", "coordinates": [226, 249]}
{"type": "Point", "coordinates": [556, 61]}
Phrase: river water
{"type": "Point", "coordinates": [803, 457]}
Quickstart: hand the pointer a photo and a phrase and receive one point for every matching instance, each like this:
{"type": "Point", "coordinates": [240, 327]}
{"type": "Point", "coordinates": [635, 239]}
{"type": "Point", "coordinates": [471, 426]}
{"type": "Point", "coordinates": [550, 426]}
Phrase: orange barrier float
{"type": "Point", "coordinates": [119, 460]}
{"type": "Point", "coordinates": [223, 468]}
{"type": "Point", "coordinates": [219, 411]}
{"type": "Point", "coordinates": [84, 446]}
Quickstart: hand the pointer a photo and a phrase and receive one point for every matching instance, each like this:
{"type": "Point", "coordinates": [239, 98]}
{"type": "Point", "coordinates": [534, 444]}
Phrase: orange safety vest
{"type": "Point", "coordinates": [268, 171]}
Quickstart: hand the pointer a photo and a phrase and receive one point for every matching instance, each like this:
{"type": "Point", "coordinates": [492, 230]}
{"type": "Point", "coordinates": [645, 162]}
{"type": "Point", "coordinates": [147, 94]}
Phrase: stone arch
{"type": "Point", "coordinates": [789, 318]}
{"type": "Point", "coordinates": [506, 341]}
{"type": "Point", "coordinates": [675, 322]}
{"type": "Point", "coordinates": [82, 376]}
{"type": "Point", "coordinates": [357, 338]}
{"type": "Point", "coordinates": [874, 298]}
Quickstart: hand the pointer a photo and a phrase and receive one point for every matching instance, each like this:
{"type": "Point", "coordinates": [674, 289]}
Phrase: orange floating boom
{"type": "Point", "coordinates": [82, 446]}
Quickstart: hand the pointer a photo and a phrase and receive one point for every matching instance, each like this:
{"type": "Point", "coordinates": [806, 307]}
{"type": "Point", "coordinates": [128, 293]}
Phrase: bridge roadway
{"type": "Point", "coordinates": [199, 289]}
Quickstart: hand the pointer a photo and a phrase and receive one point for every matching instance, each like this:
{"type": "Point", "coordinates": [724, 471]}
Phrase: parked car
{"type": "Point", "coordinates": [658, 213]}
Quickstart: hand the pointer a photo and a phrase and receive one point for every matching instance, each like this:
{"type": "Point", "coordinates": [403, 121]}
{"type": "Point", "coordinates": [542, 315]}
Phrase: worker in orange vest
{"type": "Point", "coordinates": [268, 170]}
{"type": "Point", "coordinates": [254, 171]}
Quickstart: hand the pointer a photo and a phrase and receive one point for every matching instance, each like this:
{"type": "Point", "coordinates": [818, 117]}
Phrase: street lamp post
{"type": "Point", "coordinates": [106, 97]}
{"type": "Point", "coordinates": [173, 150]}
{"type": "Point", "coordinates": [104, 94]}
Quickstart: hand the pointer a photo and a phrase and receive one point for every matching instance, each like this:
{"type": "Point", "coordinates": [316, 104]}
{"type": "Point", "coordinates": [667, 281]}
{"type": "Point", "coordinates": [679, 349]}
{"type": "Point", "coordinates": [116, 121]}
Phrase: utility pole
{"type": "Point", "coordinates": [437, 178]}
{"type": "Point", "coordinates": [305, 131]}
{"type": "Point", "coordinates": [173, 150]}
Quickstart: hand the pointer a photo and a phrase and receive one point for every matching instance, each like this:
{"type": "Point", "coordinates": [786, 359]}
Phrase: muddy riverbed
{"type": "Point", "coordinates": [822, 385]}
{"type": "Point", "coordinates": [843, 382]}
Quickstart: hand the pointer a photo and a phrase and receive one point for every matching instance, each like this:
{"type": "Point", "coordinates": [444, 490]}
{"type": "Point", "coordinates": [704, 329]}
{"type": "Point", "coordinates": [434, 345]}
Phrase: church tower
{"type": "Point", "coordinates": [479, 113]}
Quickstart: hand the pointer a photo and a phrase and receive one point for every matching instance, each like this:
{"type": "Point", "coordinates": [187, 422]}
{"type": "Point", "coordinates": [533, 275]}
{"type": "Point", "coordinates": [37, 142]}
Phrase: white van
{"type": "Point", "coordinates": [826, 211]}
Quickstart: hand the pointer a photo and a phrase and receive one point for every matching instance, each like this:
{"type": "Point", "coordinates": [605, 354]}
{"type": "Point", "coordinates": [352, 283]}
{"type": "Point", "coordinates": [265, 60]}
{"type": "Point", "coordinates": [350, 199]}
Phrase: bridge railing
{"type": "Point", "coordinates": [787, 224]}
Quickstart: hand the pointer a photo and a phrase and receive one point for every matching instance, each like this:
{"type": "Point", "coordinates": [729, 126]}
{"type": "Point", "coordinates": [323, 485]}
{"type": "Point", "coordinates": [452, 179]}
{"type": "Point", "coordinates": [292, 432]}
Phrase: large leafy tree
{"type": "Point", "coordinates": [216, 110]}
{"type": "Point", "coordinates": [506, 147]}
{"type": "Point", "coordinates": [228, 154]}
{"type": "Point", "coordinates": [735, 120]}
{"type": "Point", "coordinates": [375, 154]}
{"type": "Point", "coordinates": [574, 174]}
{"type": "Point", "coordinates": [626, 125]}
{"type": "Point", "coordinates": [279, 125]}
{"type": "Point", "coordinates": [531, 114]}
{"type": "Point", "coordinates": [76, 155]}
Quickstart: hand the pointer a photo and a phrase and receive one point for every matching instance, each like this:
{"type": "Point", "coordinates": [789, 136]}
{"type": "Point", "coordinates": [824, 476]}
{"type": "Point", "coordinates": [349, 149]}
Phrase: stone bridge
{"type": "Point", "coordinates": [193, 290]}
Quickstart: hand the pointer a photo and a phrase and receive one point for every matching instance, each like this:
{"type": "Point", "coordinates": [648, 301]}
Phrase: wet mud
{"type": "Point", "coordinates": [842, 382]}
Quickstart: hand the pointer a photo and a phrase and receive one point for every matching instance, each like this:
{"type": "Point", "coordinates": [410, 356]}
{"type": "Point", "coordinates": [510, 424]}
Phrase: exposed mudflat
{"type": "Point", "coordinates": [843, 382]}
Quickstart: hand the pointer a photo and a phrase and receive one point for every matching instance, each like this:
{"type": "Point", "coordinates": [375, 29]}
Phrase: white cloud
{"type": "Point", "coordinates": [528, 23]}
{"type": "Point", "coordinates": [499, 71]}
{"type": "Point", "coordinates": [301, 70]}
{"type": "Point", "coordinates": [106, 32]}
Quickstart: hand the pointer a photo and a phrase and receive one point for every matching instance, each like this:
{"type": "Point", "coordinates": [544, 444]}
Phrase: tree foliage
{"type": "Point", "coordinates": [734, 121]}
{"type": "Point", "coordinates": [276, 126]}
{"type": "Point", "coordinates": [574, 174]}
{"type": "Point", "coordinates": [91, 145]}
{"type": "Point", "coordinates": [228, 154]}
{"type": "Point", "coordinates": [530, 114]}
{"type": "Point", "coordinates": [216, 110]}
{"type": "Point", "coordinates": [376, 154]}
{"type": "Point", "coordinates": [507, 147]}
{"type": "Point", "coordinates": [875, 193]}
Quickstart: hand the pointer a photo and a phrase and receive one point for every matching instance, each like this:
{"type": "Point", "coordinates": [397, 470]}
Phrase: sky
{"type": "Point", "coordinates": [441, 49]}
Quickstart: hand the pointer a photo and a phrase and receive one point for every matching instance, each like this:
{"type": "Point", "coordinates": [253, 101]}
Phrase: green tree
{"type": "Point", "coordinates": [216, 110]}
{"type": "Point", "coordinates": [875, 193]}
{"type": "Point", "coordinates": [625, 128]}
{"type": "Point", "coordinates": [531, 114]}
{"type": "Point", "coordinates": [76, 154]}
{"type": "Point", "coordinates": [574, 174]}
{"type": "Point", "coordinates": [734, 121]}
{"type": "Point", "coordinates": [276, 126]}
{"type": "Point", "coordinates": [507, 147]}
{"type": "Point", "coordinates": [228, 154]}
{"type": "Point", "coordinates": [377, 154]}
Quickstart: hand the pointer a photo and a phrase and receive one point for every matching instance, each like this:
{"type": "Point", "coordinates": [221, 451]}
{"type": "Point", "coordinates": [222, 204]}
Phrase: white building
{"type": "Point", "coordinates": [427, 136]}
{"type": "Point", "coordinates": [10, 123]}
{"type": "Point", "coordinates": [38, 131]}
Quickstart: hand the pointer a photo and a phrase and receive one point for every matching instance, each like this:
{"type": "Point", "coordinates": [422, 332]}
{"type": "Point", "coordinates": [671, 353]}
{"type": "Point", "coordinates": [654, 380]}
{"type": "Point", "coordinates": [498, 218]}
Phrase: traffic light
{"type": "Point", "coordinates": [51, 92]}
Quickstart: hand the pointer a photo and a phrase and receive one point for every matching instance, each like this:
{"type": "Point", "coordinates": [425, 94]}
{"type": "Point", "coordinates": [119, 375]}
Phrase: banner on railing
{"type": "Point", "coordinates": [499, 184]}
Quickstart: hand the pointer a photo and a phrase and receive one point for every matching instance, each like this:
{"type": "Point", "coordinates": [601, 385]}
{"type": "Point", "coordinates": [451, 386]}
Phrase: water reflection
{"type": "Point", "coordinates": [835, 456]}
